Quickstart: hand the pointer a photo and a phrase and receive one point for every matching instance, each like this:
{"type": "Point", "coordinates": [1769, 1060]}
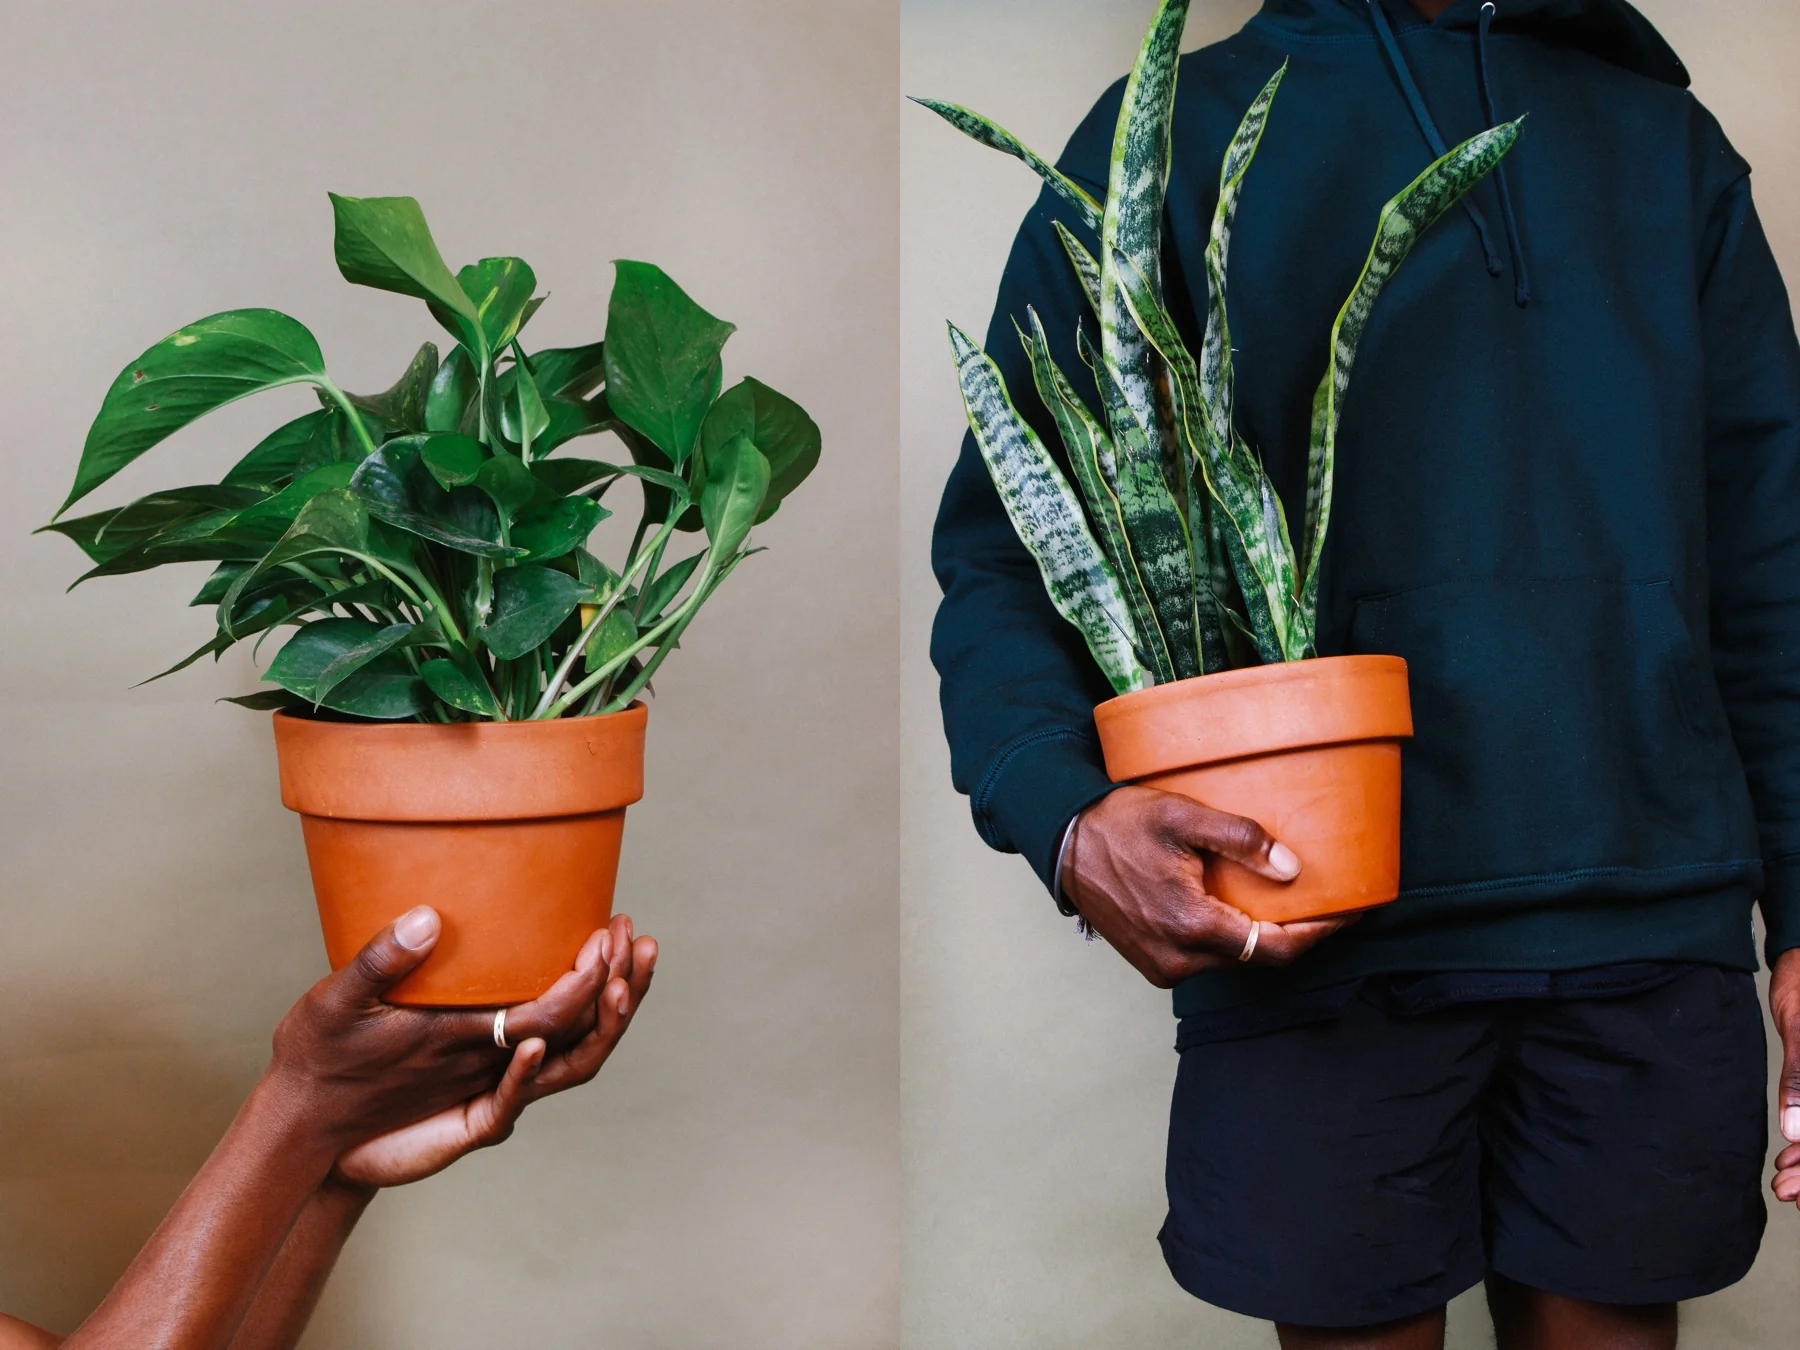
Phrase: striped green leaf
{"type": "Point", "coordinates": [995, 136]}
{"type": "Point", "coordinates": [1087, 444]}
{"type": "Point", "coordinates": [1215, 350]}
{"type": "Point", "coordinates": [1087, 271]}
{"type": "Point", "coordinates": [1048, 518]}
{"type": "Point", "coordinates": [1403, 220]}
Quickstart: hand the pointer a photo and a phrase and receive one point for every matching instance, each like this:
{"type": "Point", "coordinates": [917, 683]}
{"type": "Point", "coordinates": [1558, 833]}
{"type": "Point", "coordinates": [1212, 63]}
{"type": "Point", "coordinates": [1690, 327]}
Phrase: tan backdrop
{"type": "Point", "coordinates": [732, 1179]}
{"type": "Point", "coordinates": [1037, 1069]}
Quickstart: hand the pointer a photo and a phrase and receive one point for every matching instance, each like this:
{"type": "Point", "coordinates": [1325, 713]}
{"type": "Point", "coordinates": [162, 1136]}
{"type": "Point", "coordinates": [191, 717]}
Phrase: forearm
{"type": "Point", "coordinates": [290, 1291]}
{"type": "Point", "coordinates": [193, 1282]}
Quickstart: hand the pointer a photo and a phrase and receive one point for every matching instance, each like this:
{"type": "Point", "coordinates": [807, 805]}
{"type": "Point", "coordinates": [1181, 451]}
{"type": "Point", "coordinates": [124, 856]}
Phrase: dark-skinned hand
{"type": "Point", "coordinates": [1136, 872]}
{"type": "Point", "coordinates": [1784, 1007]}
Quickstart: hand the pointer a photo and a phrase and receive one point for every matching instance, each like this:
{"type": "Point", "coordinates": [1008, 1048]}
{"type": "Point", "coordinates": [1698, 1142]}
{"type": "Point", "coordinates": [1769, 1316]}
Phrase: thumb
{"type": "Point", "coordinates": [1238, 838]}
{"type": "Point", "coordinates": [393, 953]}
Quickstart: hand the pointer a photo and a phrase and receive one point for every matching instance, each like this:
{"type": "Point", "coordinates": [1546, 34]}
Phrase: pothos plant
{"type": "Point", "coordinates": [427, 545]}
{"type": "Point", "coordinates": [1182, 563]}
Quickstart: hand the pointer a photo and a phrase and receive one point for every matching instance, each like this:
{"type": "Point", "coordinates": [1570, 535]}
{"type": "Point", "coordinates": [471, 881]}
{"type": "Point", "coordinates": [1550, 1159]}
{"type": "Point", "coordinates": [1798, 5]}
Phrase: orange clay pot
{"type": "Point", "coordinates": [1310, 750]}
{"type": "Point", "coordinates": [510, 830]}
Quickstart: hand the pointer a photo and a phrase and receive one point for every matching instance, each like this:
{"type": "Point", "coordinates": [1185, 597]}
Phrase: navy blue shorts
{"type": "Point", "coordinates": [1372, 1163]}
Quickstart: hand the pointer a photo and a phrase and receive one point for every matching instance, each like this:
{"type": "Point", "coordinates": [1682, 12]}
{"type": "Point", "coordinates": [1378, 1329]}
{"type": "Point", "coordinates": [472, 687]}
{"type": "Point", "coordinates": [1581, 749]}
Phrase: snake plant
{"type": "Point", "coordinates": [1174, 557]}
{"type": "Point", "coordinates": [426, 545]}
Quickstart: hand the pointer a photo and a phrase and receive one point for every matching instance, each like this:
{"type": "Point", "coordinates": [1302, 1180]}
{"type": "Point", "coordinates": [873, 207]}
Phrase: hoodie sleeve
{"type": "Point", "coordinates": [1017, 684]}
{"type": "Point", "coordinates": [1752, 386]}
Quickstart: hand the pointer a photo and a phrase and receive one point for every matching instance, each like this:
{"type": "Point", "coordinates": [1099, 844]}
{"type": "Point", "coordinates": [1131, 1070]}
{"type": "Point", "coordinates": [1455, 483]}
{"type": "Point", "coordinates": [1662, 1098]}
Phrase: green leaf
{"type": "Point", "coordinates": [617, 632]}
{"type": "Point", "coordinates": [397, 487]}
{"type": "Point", "coordinates": [500, 291]}
{"type": "Point", "coordinates": [274, 460]}
{"type": "Point", "coordinates": [666, 587]}
{"type": "Point", "coordinates": [779, 427]}
{"type": "Point", "coordinates": [561, 477]}
{"type": "Point", "coordinates": [552, 528]}
{"type": "Point", "coordinates": [660, 495]}
{"type": "Point", "coordinates": [572, 373]}
{"type": "Point", "coordinates": [508, 482]}
{"type": "Point", "coordinates": [453, 459]}
{"type": "Point", "coordinates": [527, 416]}
{"type": "Point", "coordinates": [359, 654]}
{"type": "Point", "coordinates": [1047, 518]}
{"type": "Point", "coordinates": [1401, 224]}
{"type": "Point", "coordinates": [385, 688]}
{"type": "Point", "coordinates": [997, 137]}
{"type": "Point", "coordinates": [454, 389]}
{"type": "Point", "coordinates": [402, 406]}
{"type": "Point", "coordinates": [203, 366]}
{"type": "Point", "coordinates": [459, 688]}
{"type": "Point", "coordinates": [108, 534]}
{"type": "Point", "coordinates": [530, 603]}
{"type": "Point", "coordinates": [332, 522]}
{"type": "Point", "coordinates": [737, 482]}
{"type": "Point", "coordinates": [269, 700]}
{"type": "Point", "coordinates": [663, 365]}
{"type": "Point", "coordinates": [385, 243]}
{"type": "Point", "coordinates": [281, 509]}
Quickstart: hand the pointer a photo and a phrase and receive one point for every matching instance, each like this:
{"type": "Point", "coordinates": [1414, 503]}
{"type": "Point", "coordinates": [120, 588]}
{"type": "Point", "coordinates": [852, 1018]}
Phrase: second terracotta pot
{"type": "Point", "coordinates": [1310, 750]}
{"type": "Point", "coordinates": [510, 830]}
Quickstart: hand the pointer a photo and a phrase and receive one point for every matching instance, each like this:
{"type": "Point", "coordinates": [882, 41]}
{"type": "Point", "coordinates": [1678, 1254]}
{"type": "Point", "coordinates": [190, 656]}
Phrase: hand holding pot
{"type": "Point", "coordinates": [624, 968]}
{"type": "Point", "coordinates": [1784, 1007]}
{"type": "Point", "coordinates": [1135, 870]}
{"type": "Point", "coordinates": [359, 1067]}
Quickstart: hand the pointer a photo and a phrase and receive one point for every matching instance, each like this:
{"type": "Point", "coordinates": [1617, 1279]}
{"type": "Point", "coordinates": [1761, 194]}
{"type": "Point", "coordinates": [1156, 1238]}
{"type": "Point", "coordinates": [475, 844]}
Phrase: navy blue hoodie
{"type": "Point", "coordinates": [1568, 485]}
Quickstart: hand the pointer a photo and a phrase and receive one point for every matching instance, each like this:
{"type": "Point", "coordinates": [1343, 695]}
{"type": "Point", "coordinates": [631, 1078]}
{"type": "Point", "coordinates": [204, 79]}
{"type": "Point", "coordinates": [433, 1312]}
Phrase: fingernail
{"type": "Point", "coordinates": [1284, 860]}
{"type": "Point", "coordinates": [1790, 1124]}
{"type": "Point", "coordinates": [606, 947]}
{"type": "Point", "coordinates": [624, 1004]}
{"type": "Point", "coordinates": [416, 928]}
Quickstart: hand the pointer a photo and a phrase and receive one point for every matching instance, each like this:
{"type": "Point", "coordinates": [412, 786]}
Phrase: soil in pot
{"type": "Point", "coordinates": [510, 830]}
{"type": "Point", "coordinates": [1310, 750]}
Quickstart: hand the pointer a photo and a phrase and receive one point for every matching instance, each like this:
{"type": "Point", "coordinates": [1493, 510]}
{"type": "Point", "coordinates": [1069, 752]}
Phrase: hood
{"type": "Point", "coordinates": [1610, 30]}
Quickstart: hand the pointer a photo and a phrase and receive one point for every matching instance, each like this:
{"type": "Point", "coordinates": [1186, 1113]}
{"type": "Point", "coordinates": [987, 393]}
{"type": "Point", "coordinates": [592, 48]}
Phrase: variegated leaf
{"type": "Point", "coordinates": [995, 136]}
{"type": "Point", "coordinates": [1086, 269]}
{"type": "Point", "coordinates": [1215, 351]}
{"type": "Point", "coordinates": [1048, 518]}
{"type": "Point", "coordinates": [1087, 444]}
{"type": "Point", "coordinates": [1403, 220]}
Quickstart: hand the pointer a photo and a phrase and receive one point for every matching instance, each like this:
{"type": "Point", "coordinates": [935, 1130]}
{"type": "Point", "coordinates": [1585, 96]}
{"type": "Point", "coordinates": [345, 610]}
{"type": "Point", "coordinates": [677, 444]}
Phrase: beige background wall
{"type": "Point", "coordinates": [732, 1178]}
{"type": "Point", "coordinates": [1036, 1069]}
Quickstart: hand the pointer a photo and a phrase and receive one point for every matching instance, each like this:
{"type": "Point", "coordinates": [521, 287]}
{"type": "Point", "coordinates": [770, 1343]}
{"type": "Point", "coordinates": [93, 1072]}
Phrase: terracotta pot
{"type": "Point", "coordinates": [509, 830]}
{"type": "Point", "coordinates": [1310, 750]}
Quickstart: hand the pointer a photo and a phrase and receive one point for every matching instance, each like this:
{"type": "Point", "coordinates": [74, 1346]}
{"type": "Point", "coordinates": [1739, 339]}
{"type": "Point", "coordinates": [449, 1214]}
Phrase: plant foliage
{"type": "Point", "coordinates": [1174, 559]}
{"type": "Point", "coordinates": [427, 545]}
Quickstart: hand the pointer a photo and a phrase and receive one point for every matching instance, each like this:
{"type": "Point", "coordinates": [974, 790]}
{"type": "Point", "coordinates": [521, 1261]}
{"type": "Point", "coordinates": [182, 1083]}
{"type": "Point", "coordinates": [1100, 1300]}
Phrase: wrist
{"type": "Point", "coordinates": [292, 1107]}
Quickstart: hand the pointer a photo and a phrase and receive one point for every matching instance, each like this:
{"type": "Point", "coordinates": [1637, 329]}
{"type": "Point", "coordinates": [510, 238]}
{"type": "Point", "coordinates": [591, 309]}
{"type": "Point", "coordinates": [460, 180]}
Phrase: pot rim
{"type": "Point", "coordinates": [1257, 710]}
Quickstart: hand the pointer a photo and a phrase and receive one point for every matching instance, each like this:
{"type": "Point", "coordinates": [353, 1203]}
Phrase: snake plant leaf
{"type": "Point", "coordinates": [1215, 349]}
{"type": "Point", "coordinates": [1048, 519]}
{"type": "Point", "coordinates": [997, 137]}
{"type": "Point", "coordinates": [530, 603]}
{"type": "Point", "coordinates": [1088, 444]}
{"type": "Point", "coordinates": [385, 688]}
{"type": "Point", "coordinates": [385, 243]}
{"type": "Point", "coordinates": [1137, 186]}
{"type": "Point", "coordinates": [402, 406]}
{"type": "Point", "coordinates": [663, 364]}
{"type": "Point", "coordinates": [1087, 271]}
{"type": "Point", "coordinates": [661, 592]}
{"type": "Point", "coordinates": [500, 290]}
{"type": "Point", "coordinates": [453, 459]}
{"type": "Point", "coordinates": [1262, 560]}
{"type": "Point", "coordinates": [731, 499]}
{"type": "Point", "coordinates": [780, 428]}
{"type": "Point", "coordinates": [395, 485]}
{"type": "Point", "coordinates": [212, 362]}
{"type": "Point", "coordinates": [450, 404]}
{"type": "Point", "coordinates": [1403, 220]}
{"type": "Point", "coordinates": [551, 529]}
{"type": "Point", "coordinates": [460, 688]}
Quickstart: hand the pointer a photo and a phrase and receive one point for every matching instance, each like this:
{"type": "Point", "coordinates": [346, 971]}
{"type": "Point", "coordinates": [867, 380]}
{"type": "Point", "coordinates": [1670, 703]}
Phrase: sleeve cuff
{"type": "Point", "coordinates": [1781, 906]}
{"type": "Point", "coordinates": [1035, 788]}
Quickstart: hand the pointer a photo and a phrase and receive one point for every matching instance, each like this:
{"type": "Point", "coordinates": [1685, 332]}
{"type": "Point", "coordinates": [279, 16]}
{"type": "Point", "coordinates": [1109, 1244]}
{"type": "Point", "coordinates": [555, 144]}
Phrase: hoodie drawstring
{"type": "Point", "coordinates": [1521, 282]}
{"type": "Point", "coordinates": [1409, 87]}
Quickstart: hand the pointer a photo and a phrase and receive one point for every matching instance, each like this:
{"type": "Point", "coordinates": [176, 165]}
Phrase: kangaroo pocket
{"type": "Point", "coordinates": [1567, 733]}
